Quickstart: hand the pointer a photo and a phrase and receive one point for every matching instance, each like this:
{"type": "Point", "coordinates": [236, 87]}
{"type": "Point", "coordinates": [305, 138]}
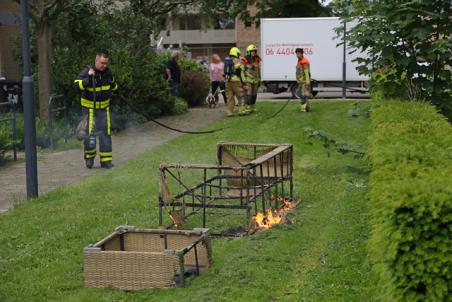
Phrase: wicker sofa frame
{"type": "Point", "coordinates": [244, 178]}
{"type": "Point", "coordinates": [132, 258]}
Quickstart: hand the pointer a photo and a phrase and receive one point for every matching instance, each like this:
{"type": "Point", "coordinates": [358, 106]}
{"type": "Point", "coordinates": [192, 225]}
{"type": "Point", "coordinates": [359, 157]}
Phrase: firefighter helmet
{"type": "Point", "coordinates": [251, 48]}
{"type": "Point", "coordinates": [234, 52]}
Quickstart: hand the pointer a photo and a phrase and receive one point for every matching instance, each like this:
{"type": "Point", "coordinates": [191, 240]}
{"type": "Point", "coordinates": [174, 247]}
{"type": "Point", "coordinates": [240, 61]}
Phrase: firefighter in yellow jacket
{"type": "Point", "coordinates": [252, 76]}
{"type": "Point", "coordinates": [96, 84]}
{"type": "Point", "coordinates": [235, 82]}
{"type": "Point", "coordinates": [303, 76]}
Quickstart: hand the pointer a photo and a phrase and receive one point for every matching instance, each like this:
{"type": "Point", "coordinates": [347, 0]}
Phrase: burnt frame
{"type": "Point", "coordinates": [246, 185]}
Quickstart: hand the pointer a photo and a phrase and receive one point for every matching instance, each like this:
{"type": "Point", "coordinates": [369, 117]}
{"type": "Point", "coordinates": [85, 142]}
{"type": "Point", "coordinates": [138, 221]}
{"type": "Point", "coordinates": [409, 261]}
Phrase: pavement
{"type": "Point", "coordinates": [57, 169]}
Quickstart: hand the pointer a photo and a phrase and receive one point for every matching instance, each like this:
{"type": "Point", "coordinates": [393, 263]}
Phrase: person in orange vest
{"type": "Point", "coordinates": [252, 76]}
{"type": "Point", "coordinates": [303, 77]}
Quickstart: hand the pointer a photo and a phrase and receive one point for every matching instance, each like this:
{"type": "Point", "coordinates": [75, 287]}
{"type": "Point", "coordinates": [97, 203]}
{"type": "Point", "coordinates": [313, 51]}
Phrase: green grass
{"type": "Point", "coordinates": [318, 255]}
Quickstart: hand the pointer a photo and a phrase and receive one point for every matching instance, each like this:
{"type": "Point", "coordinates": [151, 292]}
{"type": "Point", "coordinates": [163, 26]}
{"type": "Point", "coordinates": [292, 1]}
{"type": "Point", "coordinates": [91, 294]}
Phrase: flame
{"type": "Point", "coordinates": [273, 216]}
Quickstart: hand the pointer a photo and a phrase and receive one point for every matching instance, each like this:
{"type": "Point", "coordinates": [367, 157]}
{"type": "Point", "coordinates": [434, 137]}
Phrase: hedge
{"type": "Point", "coordinates": [410, 148]}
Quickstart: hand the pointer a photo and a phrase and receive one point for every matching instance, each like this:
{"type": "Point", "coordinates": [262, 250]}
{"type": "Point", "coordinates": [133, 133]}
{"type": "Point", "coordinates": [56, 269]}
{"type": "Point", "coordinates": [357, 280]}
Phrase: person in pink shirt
{"type": "Point", "coordinates": [217, 78]}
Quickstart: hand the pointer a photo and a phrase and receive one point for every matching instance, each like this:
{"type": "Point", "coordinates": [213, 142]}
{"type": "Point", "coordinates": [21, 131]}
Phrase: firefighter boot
{"type": "Point", "coordinates": [89, 162]}
{"type": "Point", "coordinates": [246, 109]}
{"type": "Point", "coordinates": [304, 103]}
{"type": "Point", "coordinates": [243, 110]}
{"type": "Point", "coordinates": [106, 165]}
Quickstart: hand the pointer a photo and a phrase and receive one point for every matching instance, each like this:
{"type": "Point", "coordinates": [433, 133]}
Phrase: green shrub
{"type": "Point", "coordinates": [4, 140]}
{"type": "Point", "coordinates": [195, 82]}
{"type": "Point", "coordinates": [190, 64]}
{"type": "Point", "coordinates": [142, 82]}
{"type": "Point", "coordinates": [180, 106]}
{"type": "Point", "coordinates": [42, 139]}
{"type": "Point", "coordinates": [194, 87]}
{"type": "Point", "coordinates": [411, 201]}
{"type": "Point", "coordinates": [387, 83]}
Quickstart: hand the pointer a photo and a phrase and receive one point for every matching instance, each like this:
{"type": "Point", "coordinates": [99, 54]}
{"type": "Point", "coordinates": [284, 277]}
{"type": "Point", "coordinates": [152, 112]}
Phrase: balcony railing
{"type": "Point", "coordinates": [210, 36]}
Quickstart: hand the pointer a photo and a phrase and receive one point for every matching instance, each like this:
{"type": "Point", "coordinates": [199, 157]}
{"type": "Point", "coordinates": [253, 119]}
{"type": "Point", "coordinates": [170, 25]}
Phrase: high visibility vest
{"type": "Point", "coordinates": [239, 71]}
{"type": "Point", "coordinates": [303, 73]}
{"type": "Point", "coordinates": [252, 69]}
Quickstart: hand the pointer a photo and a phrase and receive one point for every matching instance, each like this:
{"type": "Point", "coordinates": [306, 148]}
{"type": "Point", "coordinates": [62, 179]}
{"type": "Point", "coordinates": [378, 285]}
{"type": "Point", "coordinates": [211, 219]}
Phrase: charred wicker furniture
{"type": "Point", "coordinates": [244, 179]}
{"type": "Point", "coordinates": [131, 258]}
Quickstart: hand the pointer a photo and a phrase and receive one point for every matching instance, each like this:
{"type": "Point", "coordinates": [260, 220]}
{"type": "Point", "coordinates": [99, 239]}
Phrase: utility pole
{"type": "Point", "coordinates": [29, 108]}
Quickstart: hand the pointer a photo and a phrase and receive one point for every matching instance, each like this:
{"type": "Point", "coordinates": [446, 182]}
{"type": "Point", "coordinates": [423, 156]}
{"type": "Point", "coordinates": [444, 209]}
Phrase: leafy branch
{"type": "Point", "coordinates": [331, 144]}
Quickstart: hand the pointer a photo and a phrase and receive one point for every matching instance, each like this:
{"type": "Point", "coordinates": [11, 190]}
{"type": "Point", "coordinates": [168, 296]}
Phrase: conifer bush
{"type": "Point", "coordinates": [411, 202]}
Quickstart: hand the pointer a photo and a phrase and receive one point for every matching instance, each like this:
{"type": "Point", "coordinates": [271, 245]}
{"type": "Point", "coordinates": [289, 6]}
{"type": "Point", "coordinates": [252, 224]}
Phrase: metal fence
{"type": "Point", "coordinates": [9, 98]}
{"type": "Point", "coordinates": [57, 103]}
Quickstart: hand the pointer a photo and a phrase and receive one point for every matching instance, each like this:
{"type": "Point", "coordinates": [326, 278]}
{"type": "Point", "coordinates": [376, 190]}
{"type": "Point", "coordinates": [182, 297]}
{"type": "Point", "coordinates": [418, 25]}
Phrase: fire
{"type": "Point", "coordinates": [273, 216]}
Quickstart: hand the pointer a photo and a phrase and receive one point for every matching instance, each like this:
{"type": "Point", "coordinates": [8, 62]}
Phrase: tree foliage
{"type": "Point", "coordinates": [409, 45]}
{"type": "Point", "coordinates": [44, 14]}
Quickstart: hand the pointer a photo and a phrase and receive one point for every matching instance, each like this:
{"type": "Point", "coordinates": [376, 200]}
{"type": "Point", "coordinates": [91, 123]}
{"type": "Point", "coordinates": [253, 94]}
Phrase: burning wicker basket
{"type": "Point", "coordinates": [131, 258]}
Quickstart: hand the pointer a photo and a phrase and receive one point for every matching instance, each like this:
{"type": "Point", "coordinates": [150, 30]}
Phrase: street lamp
{"type": "Point", "coordinates": [344, 59]}
{"type": "Point", "coordinates": [29, 108]}
{"type": "Point", "coordinates": [344, 64]}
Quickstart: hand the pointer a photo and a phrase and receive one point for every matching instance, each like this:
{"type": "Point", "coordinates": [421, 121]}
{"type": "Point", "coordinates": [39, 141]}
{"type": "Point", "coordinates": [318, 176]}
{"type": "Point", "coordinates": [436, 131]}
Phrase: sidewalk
{"type": "Point", "coordinates": [60, 168]}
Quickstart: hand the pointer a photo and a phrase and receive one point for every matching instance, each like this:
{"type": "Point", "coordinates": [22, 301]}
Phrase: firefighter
{"type": "Point", "coordinates": [252, 76]}
{"type": "Point", "coordinates": [235, 82]}
{"type": "Point", "coordinates": [96, 84]}
{"type": "Point", "coordinates": [303, 76]}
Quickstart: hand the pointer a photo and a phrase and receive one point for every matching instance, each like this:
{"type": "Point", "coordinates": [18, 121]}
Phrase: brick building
{"type": "Point", "coordinates": [186, 29]}
{"type": "Point", "coordinates": [248, 33]}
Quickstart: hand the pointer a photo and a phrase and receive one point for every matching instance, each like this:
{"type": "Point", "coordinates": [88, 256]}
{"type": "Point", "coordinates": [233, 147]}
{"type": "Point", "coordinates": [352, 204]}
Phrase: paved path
{"type": "Point", "coordinates": [60, 168]}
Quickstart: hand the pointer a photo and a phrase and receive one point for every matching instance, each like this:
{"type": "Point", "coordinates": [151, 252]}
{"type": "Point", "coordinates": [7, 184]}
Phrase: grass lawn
{"type": "Point", "coordinates": [319, 255]}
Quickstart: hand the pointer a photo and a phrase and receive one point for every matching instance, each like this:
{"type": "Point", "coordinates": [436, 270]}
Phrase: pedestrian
{"type": "Point", "coordinates": [252, 76]}
{"type": "Point", "coordinates": [235, 82]}
{"type": "Point", "coordinates": [303, 76]}
{"type": "Point", "coordinates": [96, 85]}
{"type": "Point", "coordinates": [173, 72]}
{"type": "Point", "coordinates": [216, 68]}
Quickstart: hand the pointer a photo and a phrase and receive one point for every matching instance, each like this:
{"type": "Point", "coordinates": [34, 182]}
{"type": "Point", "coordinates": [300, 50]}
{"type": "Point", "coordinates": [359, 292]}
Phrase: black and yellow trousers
{"type": "Point", "coordinates": [98, 126]}
{"type": "Point", "coordinates": [251, 93]}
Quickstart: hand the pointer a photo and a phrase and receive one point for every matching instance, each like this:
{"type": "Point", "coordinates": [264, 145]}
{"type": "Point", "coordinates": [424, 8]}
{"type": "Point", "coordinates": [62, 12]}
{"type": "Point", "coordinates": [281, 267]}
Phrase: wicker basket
{"type": "Point", "coordinates": [131, 258]}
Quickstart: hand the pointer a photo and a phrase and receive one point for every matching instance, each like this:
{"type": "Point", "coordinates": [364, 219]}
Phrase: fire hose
{"type": "Point", "coordinates": [280, 109]}
{"type": "Point", "coordinates": [166, 126]}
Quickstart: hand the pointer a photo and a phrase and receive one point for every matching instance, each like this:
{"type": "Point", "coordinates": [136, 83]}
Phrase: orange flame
{"type": "Point", "coordinates": [272, 217]}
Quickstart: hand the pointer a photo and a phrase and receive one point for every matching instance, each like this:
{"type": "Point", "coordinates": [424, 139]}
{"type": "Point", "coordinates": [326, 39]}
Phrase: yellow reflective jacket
{"type": "Point", "coordinates": [104, 85]}
{"type": "Point", "coordinates": [252, 69]}
{"type": "Point", "coordinates": [303, 73]}
{"type": "Point", "coordinates": [239, 71]}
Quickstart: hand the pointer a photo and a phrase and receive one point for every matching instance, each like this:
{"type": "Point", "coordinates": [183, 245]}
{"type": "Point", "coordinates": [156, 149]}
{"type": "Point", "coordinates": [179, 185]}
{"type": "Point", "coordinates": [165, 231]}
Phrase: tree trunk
{"type": "Point", "coordinates": [45, 67]}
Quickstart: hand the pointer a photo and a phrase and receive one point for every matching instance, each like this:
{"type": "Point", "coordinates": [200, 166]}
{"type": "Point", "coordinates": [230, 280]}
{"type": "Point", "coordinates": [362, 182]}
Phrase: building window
{"type": "Point", "coordinates": [187, 22]}
{"type": "Point", "coordinates": [224, 23]}
{"type": "Point", "coordinates": [192, 22]}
